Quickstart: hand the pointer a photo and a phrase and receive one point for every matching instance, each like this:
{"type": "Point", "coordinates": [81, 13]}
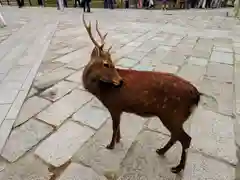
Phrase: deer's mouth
{"type": "Point", "coordinates": [118, 83]}
{"type": "Point", "coordinates": [114, 83]}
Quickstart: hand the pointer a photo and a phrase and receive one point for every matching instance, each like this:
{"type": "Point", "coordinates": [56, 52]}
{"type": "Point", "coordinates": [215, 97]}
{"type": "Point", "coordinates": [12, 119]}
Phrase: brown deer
{"type": "Point", "coordinates": [143, 93]}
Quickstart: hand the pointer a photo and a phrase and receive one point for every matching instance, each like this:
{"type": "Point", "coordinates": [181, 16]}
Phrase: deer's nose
{"type": "Point", "coordinates": [118, 82]}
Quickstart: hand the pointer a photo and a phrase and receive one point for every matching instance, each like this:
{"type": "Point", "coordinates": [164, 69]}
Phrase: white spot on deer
{"type": "Point", "coordinates": [165, 99]}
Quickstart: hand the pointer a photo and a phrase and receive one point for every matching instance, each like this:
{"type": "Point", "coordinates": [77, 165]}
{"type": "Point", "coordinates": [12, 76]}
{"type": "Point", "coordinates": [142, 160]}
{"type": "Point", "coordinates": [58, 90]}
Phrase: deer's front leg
{"type": "Point", "coordinates": [115, 128]}
{"type": "Point", "coordinates": [118, 135]}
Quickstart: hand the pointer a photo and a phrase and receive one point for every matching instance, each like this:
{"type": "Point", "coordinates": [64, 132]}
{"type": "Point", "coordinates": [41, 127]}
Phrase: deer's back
{"type": "Point", "coordinates": [147, 93]}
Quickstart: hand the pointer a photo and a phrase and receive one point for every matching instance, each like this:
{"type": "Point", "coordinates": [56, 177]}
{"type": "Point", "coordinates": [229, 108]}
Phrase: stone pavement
{"type": "Point", "coordinates": [61, 131]}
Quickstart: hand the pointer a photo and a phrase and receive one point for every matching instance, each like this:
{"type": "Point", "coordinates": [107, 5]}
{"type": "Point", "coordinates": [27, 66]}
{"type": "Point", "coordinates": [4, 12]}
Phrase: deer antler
{"type": "Point", "coordinates": [88, 28]}
{"type": "Point", "coordinates": [100, 35]}
{"type": "Point", "coordinates": [109, 49]}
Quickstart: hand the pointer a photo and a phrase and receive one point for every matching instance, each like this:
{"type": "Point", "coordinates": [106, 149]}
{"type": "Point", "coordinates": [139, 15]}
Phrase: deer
{"type": "Point", "coordinates": [144, 93]}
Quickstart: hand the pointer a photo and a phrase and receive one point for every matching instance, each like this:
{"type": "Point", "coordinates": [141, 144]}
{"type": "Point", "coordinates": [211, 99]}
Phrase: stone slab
{"type": "Point", "coordinates": [71, 56]}
{"type": "Point", "coordinates": [197, 61]}
{"type": "Point", "coordinates": [16, 37]}
{"type": "Point", "coordinates": [22, 139]}
{"type": "Point", "coordinates": [143, 66]}
{"type": "Point", "coordinates": [51, 78]}
{"type": "Point", "coordinates": [127, 62]}
{"type": "Point", "coordinates": [213, 134]}
{"type": "Point", "coordinates": [30, 108]}
{"type": "Point", "coordinates": [4, 108]}
{"type": "Point", "coordinates": [222, 92]}
{"type": "Point", "coordinates": [222, 57]}
{"type": "Point", "coordinates": [76, 77]}
{"type": "Point", "coordinates": [65, 107]}
{"type": "Point", "coordinates": [79, 63]}
{"type": "Point", "coordinates": [142, 161]}
{"type": "Point", "coordinates": [192, 73]}
{"type": "Point", "coordinates": [16, 105]}
{"type": "Point", "coordinates": [60, 146]}
{"type": "Point", "coordinates": [91, 116]}
{"type": "Point", "coordinates": [60, 89]}
{"type": "Point", "coordinates": [12, 84]}
{"type": "Point", "coordinates": [134, 43]}
{"type": "Point", "coordinates": [146, 47]}
{"type": "Point", "coordinates": [159, 53]}
{"type": "Point", "coordinates": [136, 55]}
{"type": "Point", "coordinates": [171, 40]}
{"type": "Point", "coordinates": [7, 95]}
{"type": "Point", "coordinates": [174, 58]}
{"type": "Point", "coordinates": [47, 67]}
{"type": "Point", "coordinates": [97, 104]}
{"type": "Point", "coordinates": [9, 60]}
{"type": "Point", "coordinates": [65, 50]}
{"type": "Point", "coordinates": [5, 130]}
{"type": "Point", "coordinates": [165, 68]}
{"type": "Point", "coordinates": [185, 49]}
{"type": "Point", "coordinates": [28, 168]}
{"type": "Point", "coordinates": [32, 92]}
{"type": "Point", "coordinates": [80, 172]}
{"type": "Point", "coordinates": [122, 52]}
{"type": "Point", "coordinates": [189, 40]}
{"type": "Point", "coordinates": [18, 73]}
{"type": "Point", "coordinates": [94, 152]}
{"type": "Point", "coordinates": [237, 50]}
{"type": "Point", "coordinates": [220, 72]}
{"type": "Point", "coordinates": [200, 53]}
{"type": "Point", "coordinates": [224, 48]}
{"type": "Point", "coordinates": [201, 167]}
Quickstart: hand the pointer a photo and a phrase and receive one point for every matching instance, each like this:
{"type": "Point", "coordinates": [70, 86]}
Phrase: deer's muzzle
{"type": "Point", "coordinates": [118, 82]}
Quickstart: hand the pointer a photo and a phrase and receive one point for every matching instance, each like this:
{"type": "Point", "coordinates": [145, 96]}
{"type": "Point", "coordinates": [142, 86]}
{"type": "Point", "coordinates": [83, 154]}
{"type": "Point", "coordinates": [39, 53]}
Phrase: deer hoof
{"type": "Point", "coordinates": [160, 151]}
{"type": "Point", "coordinates": [177, 169]}
{"type": "Point", "coordinates": [110, 146]}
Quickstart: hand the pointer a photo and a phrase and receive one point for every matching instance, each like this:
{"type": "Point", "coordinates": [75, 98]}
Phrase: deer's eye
{"type": "Point", "coordinates": [106, 65]}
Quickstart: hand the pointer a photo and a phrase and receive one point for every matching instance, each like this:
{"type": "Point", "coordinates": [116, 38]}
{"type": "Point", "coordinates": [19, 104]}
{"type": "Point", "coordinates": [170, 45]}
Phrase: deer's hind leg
{"type": "Point", "coordinates": [171, 142]}
{"type": "Point", "coordinates": [177, 134]}
{"type": "Point", "coordinates": [185, 140]}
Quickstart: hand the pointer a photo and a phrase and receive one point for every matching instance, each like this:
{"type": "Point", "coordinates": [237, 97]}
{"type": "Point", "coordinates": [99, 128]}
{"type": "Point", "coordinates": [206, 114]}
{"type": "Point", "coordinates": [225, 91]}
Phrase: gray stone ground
{"type": "Point", "coordinates": [61, 131]}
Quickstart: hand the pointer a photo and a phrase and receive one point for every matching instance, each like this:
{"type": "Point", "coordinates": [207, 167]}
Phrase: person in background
{"type": "Point", "coordinates": [40, 3]}
{"type": "Point", "coordinates": [194, 3]}
{"type": "Point", "coordinates": [2, 21]}
{"type": "Point", "coordinates": [164, 5]}
{"type": "Point", "coordinates": [150, 4]}
{"type": "Point", "coordinates": [65, 3]}
{"type": "Point", "coordinates": [61, 4]}
{"type": "Point", "coordinates": [110, 4]}
{"type": "Point", "coordinates": [126, 4]}
{"type": "Point", "coordinates": [236, 9]}
{"type": "Point", "coordinates": [208, 3]}
{"type": "Point", "coordinates": [86, 4]}
{"type": "Point", "coordinates": [20, 3]}
{"type": "Point", "coordinates": [77, 2]}
{"type": "Point", "coordinates": [105, 4]}
{"type": "Point", "coordinates": [145, 3]}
